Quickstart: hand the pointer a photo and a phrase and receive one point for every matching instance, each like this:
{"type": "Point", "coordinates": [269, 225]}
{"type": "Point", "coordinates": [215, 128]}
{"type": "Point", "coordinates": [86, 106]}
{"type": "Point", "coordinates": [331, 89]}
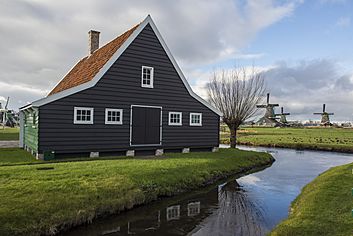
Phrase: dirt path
{"type": "Point", "coordinates": [9, 144]}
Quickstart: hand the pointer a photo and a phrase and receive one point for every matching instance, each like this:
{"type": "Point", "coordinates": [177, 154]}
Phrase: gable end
{"type": "Point", "coordinates": [113, 58]}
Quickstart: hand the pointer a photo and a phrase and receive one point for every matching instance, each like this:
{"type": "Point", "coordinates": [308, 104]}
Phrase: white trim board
{"type": "Point", "coordinates": [116, 55]}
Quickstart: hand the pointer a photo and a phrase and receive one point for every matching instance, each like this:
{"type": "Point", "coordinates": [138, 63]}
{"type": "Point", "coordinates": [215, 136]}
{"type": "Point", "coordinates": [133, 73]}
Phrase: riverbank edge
{"type": "Point", "coordinates": [182, 196]}
{"type": "Point", "coordinates": [62, 228]}
{"type": "Point", "coordinates": [298, 147]}
{"type": "Point", "coordinates": [314, 206]}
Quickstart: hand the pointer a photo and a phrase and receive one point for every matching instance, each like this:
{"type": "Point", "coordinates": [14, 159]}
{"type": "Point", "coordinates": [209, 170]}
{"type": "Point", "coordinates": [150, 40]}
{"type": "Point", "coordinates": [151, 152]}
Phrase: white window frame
{"type": "Point", "coordinates": [173, 212]}
{"type": "Point", "coordinates": [107, 122]}
{"type": "Point", "coordinates": [90, 122]}
{"type": "Point", "coordinates": [177, 113]}
{"type": "Point", "coordinates": [196, 124]}
{"type": "Point", "coordinates": [194, 208]}
{"type": "Point", "coordinates": [151, 79]}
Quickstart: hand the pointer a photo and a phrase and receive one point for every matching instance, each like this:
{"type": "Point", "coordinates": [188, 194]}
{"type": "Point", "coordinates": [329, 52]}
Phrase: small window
{"type": "Point", "coordinates": [147, 77]}
{"type": "Point", "coordinates": [113, 116]}
{"type": "Point", "coordinates": [195, 119]}
{"type": "Point", "coordinates": [175, 118]}
{"type": "Point", "coordinates": [173, 212]}
{"type": "Point", "coordinates": [83, 115]}
{"type": "Point", "coordinates": [193, 208]}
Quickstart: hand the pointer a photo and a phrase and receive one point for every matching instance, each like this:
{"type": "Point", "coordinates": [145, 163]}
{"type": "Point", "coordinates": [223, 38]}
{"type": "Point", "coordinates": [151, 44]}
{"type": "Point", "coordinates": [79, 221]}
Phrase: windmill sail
{"type": "Point", "coordinates": [283, 117]}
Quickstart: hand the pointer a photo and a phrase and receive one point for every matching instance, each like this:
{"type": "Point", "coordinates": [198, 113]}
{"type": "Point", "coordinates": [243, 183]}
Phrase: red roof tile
{"type": "Point", "coordinates": [85, 70]}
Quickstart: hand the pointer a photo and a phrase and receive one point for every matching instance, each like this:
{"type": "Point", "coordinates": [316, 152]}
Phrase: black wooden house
{"type": "Point", "coordinates": [127, 97]}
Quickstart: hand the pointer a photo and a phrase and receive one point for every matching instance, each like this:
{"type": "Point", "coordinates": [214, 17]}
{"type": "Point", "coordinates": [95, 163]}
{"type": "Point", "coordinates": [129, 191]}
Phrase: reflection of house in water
{"type": "Point", "coordinates": [224, 210]}
{"type": "Point", "coordinates": [175, 216]}
{"type": "Point", "coordinates": [193, 208]}
{"type": "Point", "coordinates": [237, 215]}
{"type": "Point", "coordinates": [178, 219]}
{"type": "Point", "coordinates": [173, 213]}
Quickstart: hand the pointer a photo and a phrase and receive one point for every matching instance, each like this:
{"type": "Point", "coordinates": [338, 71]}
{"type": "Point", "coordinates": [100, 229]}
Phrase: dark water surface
{"type": "Point", "coordinates": [250, 205]}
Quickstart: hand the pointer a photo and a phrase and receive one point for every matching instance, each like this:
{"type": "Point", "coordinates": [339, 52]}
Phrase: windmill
{"type": "Point", "coordinates": [283, 117]}
{"type": "Point", "coordinates": [7, 117]}
{"type": "Point", "coordinates": [3, 113]}
{"type": "Point", "coordinates": [270, 117]}
{"type": "Point", "coordinates": [325, 116]}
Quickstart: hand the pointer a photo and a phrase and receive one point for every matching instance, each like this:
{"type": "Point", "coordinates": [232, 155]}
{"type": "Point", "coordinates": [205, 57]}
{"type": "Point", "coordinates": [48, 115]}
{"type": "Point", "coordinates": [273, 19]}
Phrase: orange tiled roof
{"type": "Point", "coordinates": [85, 70]}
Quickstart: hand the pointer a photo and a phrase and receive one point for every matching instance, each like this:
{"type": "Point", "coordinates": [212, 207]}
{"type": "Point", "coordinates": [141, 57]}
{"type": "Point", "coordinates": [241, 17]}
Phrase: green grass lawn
{"type": "Point", "coordinates": [35, 199]}
{"type": "Point", "coordinates": [332, 139]}
{"type": "Point", "coordinates": [18, 156]}
{"type": "Point", "coordinates": [9, 156]}
{"type": "Point", "coordinates": [9, 133]}
{"type": "Point", "coordinates": [323, 207]}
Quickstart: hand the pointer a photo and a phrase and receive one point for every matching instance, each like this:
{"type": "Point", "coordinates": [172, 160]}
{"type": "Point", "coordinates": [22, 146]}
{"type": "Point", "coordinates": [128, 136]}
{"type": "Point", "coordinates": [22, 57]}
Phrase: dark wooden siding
{"type": "Point", "coordinates": [120, 88]}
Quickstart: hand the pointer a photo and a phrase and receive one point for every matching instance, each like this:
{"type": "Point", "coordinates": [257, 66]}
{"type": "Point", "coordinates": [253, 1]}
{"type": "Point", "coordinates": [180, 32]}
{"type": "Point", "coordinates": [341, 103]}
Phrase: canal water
{"type": "Point", "coordinates": [250, 205]}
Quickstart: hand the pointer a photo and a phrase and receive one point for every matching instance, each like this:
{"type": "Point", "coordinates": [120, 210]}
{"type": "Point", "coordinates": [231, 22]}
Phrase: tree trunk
{"type": "Point", "coordinates": [233, 135]}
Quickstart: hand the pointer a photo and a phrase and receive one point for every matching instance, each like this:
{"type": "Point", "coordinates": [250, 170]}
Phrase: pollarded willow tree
{"type": "Point", "coordinates": [235, 93]}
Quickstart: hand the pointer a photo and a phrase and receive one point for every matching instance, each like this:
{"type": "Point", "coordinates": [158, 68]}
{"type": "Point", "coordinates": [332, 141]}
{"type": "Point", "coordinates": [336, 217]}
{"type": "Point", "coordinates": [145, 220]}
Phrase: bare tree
{"type": "Point", "coordinates": [235, 93]}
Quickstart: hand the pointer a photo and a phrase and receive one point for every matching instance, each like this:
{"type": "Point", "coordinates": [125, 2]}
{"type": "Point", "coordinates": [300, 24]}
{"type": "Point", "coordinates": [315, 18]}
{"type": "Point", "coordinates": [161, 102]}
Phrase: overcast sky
{"type": "Point", "coordinates": [304, 48]}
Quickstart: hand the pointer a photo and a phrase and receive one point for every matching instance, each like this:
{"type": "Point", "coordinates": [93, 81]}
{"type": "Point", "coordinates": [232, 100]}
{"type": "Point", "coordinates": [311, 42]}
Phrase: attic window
{"type": "Point", "coordinates": [83, 115]}
{"type": "Point", "coordinates": [147, 77]}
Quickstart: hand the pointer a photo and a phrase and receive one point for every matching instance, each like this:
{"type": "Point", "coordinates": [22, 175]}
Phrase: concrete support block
{"type": "Point", "coordinates": [215, 149]}
{"type": "Point", "coordinates": [94, 154]}
{"type": "Point", "coordinates": [40, 156]}
{"type": "Point", "coordinates": [159, 152]}
{"type": "Point", "coordinates": [185, 150]}
{"type": "Point", "coordinates": [130, 153]}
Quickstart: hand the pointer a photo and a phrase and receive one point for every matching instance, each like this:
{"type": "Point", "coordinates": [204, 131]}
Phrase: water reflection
{"type": "Point", "coordinates": [223, 210]}
{"type": "Point", "coordinates": [237, 214]}
{"type": "Point", "coordinates": [251, 205]}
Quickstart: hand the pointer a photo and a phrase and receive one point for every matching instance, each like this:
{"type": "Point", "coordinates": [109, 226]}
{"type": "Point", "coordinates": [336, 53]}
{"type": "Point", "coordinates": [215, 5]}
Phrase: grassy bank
{"type": "Point", "coordinates": [10, 156]}
{"type": "Point", "coordinates": [9, 133]}
{"type": "Point", "coordinates": [324, 206]}
{"type": "Point", "coordinates": [18, 156]}
{"type": "Point", "coordinates": [46, 201]}
{"type": "Point", "coordinates": [327, 139]}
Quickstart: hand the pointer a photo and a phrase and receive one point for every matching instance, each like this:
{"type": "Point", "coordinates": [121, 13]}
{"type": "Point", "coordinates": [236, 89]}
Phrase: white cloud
{"type": "Point", "coordinates": [333, 1]}
{"type": "Point", "coordinates": [202, 77]}
{"type": "Point", "coordinates": [343, 22]}
{"type": "Point", "coordinates": [303, 88]}
{"type": "Point", "coordinates": [249, 179]}
{"type": "Point", "coordinates": [20, 94]}
{"type": "Point", "coordinates": [249, 56]}
{"type": "Point", "coordinates": [41, 40]}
